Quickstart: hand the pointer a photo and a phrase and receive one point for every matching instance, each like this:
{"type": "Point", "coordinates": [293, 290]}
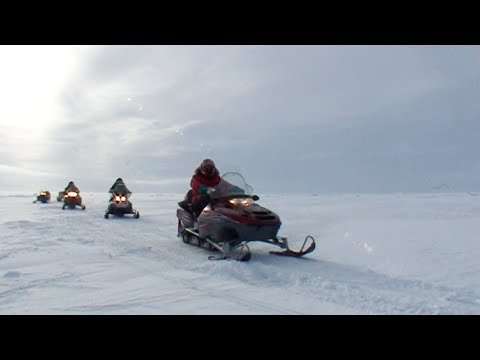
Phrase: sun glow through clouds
{"type": "Point", "coordinates": [31, 82]}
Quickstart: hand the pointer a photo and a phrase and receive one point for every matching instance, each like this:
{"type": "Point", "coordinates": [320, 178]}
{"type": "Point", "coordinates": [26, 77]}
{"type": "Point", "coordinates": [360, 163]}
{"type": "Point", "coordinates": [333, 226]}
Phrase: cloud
{"type": "Point", "coordinates": [330, 117]}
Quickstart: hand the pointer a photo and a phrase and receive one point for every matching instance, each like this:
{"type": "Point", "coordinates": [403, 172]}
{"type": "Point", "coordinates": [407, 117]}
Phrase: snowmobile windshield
{"type": "Point", "coordinates": [122, 189]}
{"type": "Point", "coordinates": [232, 184]}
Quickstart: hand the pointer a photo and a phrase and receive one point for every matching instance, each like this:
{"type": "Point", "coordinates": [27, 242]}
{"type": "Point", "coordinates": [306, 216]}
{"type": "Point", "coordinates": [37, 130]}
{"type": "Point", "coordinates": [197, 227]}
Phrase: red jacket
{"type": "Point", "coordinates": [198, 179]}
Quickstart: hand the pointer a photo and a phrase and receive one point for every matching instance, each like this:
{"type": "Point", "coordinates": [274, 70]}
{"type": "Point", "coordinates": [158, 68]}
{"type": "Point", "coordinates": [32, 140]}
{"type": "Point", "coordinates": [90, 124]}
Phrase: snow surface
{"type": "Point", "coordinates": [376, 254]}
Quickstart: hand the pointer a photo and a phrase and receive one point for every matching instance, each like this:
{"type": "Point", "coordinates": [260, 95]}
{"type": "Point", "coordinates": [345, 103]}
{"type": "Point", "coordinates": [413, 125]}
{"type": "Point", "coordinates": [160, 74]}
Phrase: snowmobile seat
{"type": "Point", "coordinates": [186, 204]}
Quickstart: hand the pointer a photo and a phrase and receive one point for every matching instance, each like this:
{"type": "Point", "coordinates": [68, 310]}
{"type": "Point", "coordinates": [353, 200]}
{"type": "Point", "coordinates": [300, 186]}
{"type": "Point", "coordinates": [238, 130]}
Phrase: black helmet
{"type": "Point", "coordinates": [207, 167]}
{"type": "Point", "coordinates": [119, 179]}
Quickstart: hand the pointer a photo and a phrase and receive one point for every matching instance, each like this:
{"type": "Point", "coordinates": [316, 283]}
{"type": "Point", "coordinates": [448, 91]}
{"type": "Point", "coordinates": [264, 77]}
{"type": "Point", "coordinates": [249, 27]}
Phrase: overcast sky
{"type": "Point", "coordinates": [292, 119]}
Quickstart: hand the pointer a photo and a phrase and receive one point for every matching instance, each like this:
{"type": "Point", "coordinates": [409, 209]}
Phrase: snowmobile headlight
{"type": "Point", "coordinates": [43, 193]}
{"type": "Point", "coordinates": [247, 202]}
{"type": "Point", "coordinates": [241, 201]}
{"type": "Point", "coordinates": [72, 194]}
{"type": "Point", "coordinates": [120, 198]}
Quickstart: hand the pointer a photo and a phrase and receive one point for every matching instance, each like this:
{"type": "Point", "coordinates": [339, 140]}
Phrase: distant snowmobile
{"type": "Point", "coordinates": [43, 196]}
{"type": "Point", "coordinates": [60, 195]}
{"type": "Point", "coordinates": [120, 205]}
{"type": "Point", "coordinates": [72, 199]}
{"type": "Point", "coordinates": [231, 220]}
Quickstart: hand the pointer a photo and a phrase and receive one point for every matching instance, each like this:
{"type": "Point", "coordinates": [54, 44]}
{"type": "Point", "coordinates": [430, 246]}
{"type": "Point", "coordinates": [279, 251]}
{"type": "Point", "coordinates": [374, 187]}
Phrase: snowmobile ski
{"type": "Point", "coordinates": [293, 253]}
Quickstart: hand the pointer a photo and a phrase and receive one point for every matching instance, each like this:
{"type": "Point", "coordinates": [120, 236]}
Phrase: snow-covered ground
{"type": "Point", "coordinates": [376, 254]}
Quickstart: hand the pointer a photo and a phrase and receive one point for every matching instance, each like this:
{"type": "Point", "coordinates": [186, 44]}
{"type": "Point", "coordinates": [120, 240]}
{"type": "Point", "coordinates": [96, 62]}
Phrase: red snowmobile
{"type": "Point", "coordinates": [71, 199]}
{"type": "Point", "coordinates": [43, 196]}
{"type": "Point", "coordinates": [231, 220]}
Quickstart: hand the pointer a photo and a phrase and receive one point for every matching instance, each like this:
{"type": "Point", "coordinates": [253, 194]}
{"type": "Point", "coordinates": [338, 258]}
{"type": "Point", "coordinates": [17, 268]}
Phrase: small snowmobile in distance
{"type": "Point", "coordinates": [120, 205]}
{"type": "Point", "coordinates": [43, 196]}
{"type": "Point", "coordinates": [231, 220]}
{"type": "Point", "coordinates": [72, 199]}
{"type": "Point", "coordinates": [60, 196]}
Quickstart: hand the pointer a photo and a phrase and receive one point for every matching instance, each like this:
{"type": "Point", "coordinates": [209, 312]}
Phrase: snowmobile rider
{"type": "Point", "coordinates": [119, 187]}
{"type": "Point", "coordinates": [206, 175]}
{"type": "Point", "coordinates": [71, 187]}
